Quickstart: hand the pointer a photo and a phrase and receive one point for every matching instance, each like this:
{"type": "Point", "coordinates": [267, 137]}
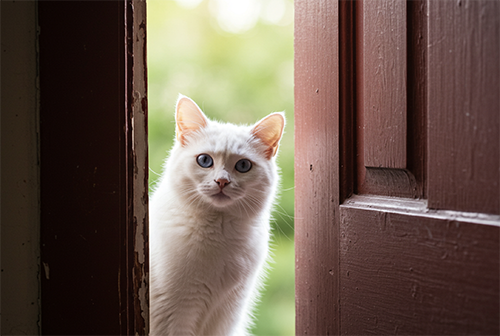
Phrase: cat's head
{"type": "Point", "coordinates": [225, 166]}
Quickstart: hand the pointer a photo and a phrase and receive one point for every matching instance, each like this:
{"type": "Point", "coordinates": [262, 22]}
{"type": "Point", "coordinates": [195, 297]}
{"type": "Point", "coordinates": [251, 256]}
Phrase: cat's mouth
{"type": "Point", "coordinates": [220, 195]}
{"type": "Point", "coordinates": [220, 198]}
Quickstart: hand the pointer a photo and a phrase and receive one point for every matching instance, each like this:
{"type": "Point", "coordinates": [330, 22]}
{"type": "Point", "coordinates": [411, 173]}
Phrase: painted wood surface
{"type": "Point", "coordinates": [316, 171]}
{"type": "Point", "coordinates": [371, 128]}
{"type": "Point", "coordinates": [411, 272]}
{"type": "Point", "coordinates": [138, 170]}
{"type": "Point", "coordinates": [383, 96]}
{"type": "Point", "coordinates": [93, 184]}
{"type": "Point", "coordinates": [464, 105]}
{"type": "Point", "coordinates": [397, 265]}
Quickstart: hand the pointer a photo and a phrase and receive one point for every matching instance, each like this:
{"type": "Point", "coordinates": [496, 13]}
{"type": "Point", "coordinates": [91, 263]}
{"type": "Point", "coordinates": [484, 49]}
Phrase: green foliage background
{"type": "Point", "coordinates": [237, 78]}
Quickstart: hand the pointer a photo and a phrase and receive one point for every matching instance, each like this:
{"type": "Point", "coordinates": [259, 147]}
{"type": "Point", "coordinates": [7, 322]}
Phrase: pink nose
{"type": "Point", "coordinates": [222, 182]}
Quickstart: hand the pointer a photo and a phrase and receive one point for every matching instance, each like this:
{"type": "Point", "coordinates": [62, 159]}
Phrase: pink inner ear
{"type": "Point", "coordinates": [269, 130]}
{"type": "Point", "coordinates": [189, 118]}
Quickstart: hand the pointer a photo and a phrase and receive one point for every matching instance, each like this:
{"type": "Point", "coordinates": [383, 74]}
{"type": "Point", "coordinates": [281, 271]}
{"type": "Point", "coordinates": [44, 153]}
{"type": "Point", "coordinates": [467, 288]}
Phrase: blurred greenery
{"type": "Point", "coordinates": [239, 77]}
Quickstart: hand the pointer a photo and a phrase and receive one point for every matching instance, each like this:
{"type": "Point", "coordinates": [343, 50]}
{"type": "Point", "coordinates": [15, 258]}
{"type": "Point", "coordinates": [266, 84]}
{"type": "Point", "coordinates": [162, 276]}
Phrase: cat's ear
{"type": "Point", "coordinates": [269, 130]}
{"type": "Point", "coordinates": [188, 118]}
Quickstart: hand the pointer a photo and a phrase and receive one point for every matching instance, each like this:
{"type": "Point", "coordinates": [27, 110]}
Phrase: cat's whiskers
{"type": "Point", "coordinates": [284, 215]}
{"type": "Point", "coordinates": [249, 207]}
{"type": "Point", "coordinates": [241, 205]}
{"type": "Point", "coordinates": [280, 229]}
{"type": "Point", "coordinates": [192, 196]}
{"type": "Point", "coordinates": [257, 199]}
{"type": "Point", "coordinates": [253, 203]}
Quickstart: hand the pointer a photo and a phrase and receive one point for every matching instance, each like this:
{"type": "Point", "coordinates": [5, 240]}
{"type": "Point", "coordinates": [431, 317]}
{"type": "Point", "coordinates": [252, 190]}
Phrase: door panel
{"type": "Point", "coordinates": [414, 271]}
{"type": "Point", "coordinates": [464, 105]}
{"type": "Point", "coordinates": [384, 88]}
{"type": "Point", "coordinates": [390, 97]}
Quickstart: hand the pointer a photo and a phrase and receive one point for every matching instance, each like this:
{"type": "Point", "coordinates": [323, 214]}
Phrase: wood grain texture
{"type": "Point", "coordinates": [138, 170]}
{"type": "Point", "coordinates": [411, 272]}
{"type": "Point", "coordinates": [316, 167]}
{"type": "Point", "coordinates": [407, 182]}
{"type": "Point", "coordinates": [384, 70]}
{"type": "Point", "coordinates": [389, 182]}
{"type": "Point", "coordinates": [464, 105]}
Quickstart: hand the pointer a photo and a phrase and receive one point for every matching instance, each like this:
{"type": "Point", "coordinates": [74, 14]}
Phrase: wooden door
{"type": "Point", "coordinates": [397, 167]}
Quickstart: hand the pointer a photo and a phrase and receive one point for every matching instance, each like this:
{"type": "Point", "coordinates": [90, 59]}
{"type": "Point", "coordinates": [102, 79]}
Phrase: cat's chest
{"type": "Point", "coordinates": [223, 248]}
{"type": "Point", "coordinates": [222, 237]}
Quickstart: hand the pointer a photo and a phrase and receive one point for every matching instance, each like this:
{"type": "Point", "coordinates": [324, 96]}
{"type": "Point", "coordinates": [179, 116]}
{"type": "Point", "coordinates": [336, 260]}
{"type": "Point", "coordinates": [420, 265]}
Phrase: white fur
{"type": "Point", "coordinates": [208, 253]}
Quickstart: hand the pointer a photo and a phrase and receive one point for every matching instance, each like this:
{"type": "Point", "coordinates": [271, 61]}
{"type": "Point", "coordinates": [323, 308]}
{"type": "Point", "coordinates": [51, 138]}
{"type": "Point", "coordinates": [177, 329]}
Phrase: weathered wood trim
{"type": "Point", "coordinates": [137, 141]}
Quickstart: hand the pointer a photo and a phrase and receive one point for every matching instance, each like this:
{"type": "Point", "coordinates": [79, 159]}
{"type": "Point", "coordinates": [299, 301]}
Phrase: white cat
{"type": "Point", "coordinates": [209, 224]}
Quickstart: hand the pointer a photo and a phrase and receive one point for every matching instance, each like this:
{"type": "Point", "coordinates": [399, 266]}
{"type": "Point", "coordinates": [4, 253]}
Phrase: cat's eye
{"type": "Point", "coordinates": [205, 160]}
{"type": "Point", "coordinates": [243, 165]}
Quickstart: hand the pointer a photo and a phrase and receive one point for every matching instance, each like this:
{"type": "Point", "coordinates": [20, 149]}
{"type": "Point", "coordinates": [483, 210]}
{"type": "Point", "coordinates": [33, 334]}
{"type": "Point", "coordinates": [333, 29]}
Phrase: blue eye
{"type": "Point", "coordinates": [243, 165]}
{"type": "Point", "coordinates": [205, 160]}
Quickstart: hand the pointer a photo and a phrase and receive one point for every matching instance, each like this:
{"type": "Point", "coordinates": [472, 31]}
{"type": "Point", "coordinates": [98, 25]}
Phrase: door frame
{"type": "Point", "coordinates": [94, 169]}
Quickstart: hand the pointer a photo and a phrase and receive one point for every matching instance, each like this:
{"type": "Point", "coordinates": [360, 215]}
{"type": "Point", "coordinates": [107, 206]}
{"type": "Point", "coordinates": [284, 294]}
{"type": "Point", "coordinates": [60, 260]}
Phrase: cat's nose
{"type": "Point", "coordinates": [222, 182]}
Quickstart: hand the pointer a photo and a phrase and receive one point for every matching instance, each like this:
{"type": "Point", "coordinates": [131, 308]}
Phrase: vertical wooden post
{"type": "Point", "coordinates": [93, 167]}
{"type": "Point", "coordinates": [137, 174]}
{"type": "Point", "coordinates": [316, 167]}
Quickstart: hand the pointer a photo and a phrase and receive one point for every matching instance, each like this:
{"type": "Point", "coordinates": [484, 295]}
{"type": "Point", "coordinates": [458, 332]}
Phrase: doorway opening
{"type": "Point", "coordinates": [235, 59]}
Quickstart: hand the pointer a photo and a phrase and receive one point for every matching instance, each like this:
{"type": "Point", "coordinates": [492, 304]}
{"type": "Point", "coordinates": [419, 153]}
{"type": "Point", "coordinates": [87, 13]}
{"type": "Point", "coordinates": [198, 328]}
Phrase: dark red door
{"type": "Point", "coordinates": [397, 167]}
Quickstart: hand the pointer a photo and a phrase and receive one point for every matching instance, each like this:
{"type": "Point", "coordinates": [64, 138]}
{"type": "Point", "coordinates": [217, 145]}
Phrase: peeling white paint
{"type": "Point", "coordinates": [47, 270]}
{"type": "Point", "coordinates": [140, 150]}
